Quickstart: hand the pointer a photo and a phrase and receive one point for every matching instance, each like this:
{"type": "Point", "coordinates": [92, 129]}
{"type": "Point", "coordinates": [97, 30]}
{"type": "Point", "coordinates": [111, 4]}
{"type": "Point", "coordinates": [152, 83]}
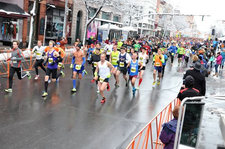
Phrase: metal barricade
{"type": "Point", "coordinates": [148, 137]}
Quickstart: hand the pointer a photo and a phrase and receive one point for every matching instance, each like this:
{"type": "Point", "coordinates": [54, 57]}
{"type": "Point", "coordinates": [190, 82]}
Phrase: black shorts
{"type": "Point", "coordinates": [107, 57]}
{"type": "Point", "coordinates": [143, 68]}
{"type": "Point", "coordinates": [180, 55]}
{"type": "Point", "coordinates": [51, 71]}
{"type": "Point", "coordinates": [105, 80]}
{"type": "Point", "coordinates": [123, 70]}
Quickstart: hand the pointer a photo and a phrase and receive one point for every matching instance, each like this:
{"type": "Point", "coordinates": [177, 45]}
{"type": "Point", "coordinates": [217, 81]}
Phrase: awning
{"type": "Point", "coordinates": [12, 11]}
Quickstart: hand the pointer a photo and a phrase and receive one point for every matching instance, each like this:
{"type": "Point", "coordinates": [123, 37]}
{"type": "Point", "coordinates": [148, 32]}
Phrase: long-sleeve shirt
{"type": "Point", "coordinates": [16, 58]}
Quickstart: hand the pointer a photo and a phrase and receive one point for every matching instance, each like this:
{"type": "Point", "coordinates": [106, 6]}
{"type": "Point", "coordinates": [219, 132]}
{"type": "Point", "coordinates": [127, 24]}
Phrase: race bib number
{"type": "Point", "coordinates": [101, 79]}
{"type": "Point", "coordinates": [38, 54]}
{"type": "Point", "coordinates": [14, 62]}
{"type": "Point", "coordinates": [109, 51]}
{"type": "Point", "coordinates": [157, 63]}
{"type": "Point", "coordinates": [50, 60]}
{"type": "Point", "coordinates": [172, 53]}
{"type": "Point", "coordinates": [114, 59]}
{"type": "Point", "coordinates": [121, 64]}
{"type": "Point", "coordinates": [133, 69]}
{"type": "Point", "coordinates": [141, 58]}
{"type": "Point", "coordinates": [95, 64]}
{"type": "Point", "coordinates": [78, 67]}
{"type": "Point", "coordinates": [128, 50]}
{"type": "Point", "coordinates": [60, 65]}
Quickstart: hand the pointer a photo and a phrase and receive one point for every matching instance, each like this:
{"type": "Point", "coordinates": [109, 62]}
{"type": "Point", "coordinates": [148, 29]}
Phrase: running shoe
{"type": "Point", "coordinates": [9, 90]}
{"type": "Point", "coordinates": [36, 77]}
{"type": "Point", "coordinates": [28, 75]}
{"type": "Point", "coordinates": [158, 82]}
{"type": "Point", "coordinates": [153, 83]}
{"type": "Point", "coordinates": [74, 90]}
{"type": "Point", "coordinates": [44, 94]}
{"type": "Point", "coordinates": [108, 87]}
{"type": "Point", "coordinates": [92, 81]}
{"type": "Point", "coordinates": [63, 74]}
{"type": "Point", "coordinates": [103, 100]}
{"type": "Point", "coordinates": [138, 87]}
{"type": "Point", "coordinates": [117, 85]}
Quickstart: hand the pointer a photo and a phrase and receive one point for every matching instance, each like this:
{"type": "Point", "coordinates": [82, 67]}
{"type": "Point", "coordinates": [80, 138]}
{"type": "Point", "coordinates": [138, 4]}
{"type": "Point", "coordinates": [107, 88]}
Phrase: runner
{"type": "Point", "coordinates": [95, 58]}
{"type": "Point", "coordinates": [187, 55]}
{"type": "Point", "coordinates": [143, 59]}
{"type": "Point", "coordinates": [52, 60]}
{"type": "Point", "coordinates": [16, 65]}
{"type": "Point", "coordinates": [39, 52]}
{"type": "Point", "coordinates": [60, 61]}
{"type": "Point", "coordinates": [114, 57]}
{"type": "Point", "coordinates": [137, 46]}
{"type": "Point", "coordinates": [164, 64]}
{"type": "Point", "coordinates": [108, 49]}
{"type": "Point", "coordinates": [77, 65]}
{"type": "Point", "coordinates": [133, 74]}
{"type": "Point", "coordinates": [172, 50]}
{"type": "Point", "coordinates": [119, 44]}
{"type": "Point", "coordinates": [124, 58]}
{"type": "Point", "coordinates": [158, 59]}
{"type": "Point", "coordinates": [102, 74]}
{"type": "Point", "coordinates": [180, 52]}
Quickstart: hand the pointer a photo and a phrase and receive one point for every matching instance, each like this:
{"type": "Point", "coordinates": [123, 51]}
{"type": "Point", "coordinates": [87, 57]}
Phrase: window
{"type": "Point", "coordinates": [92, 11]}
{"type": "Point", "coordinates": [106, 15]}
{"type": "Point", "coordinates": [116, 18]}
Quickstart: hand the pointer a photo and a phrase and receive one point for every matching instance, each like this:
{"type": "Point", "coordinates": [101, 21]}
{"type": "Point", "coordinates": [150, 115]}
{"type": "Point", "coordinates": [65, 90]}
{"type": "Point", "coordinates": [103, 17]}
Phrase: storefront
{"type": "Point", "coordinates": [55, 20]}
{"type": "Point", "coordinates": [11, 19]}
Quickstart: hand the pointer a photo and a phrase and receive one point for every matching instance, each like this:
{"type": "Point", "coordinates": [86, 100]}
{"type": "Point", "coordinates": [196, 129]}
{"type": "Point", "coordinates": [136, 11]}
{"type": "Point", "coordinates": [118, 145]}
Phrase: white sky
{"type": "Point", "coordinates": [215, 8]}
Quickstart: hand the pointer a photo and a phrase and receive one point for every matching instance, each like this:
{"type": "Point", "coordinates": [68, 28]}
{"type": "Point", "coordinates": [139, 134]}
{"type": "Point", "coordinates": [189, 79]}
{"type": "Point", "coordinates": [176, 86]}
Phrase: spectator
{"type": "Point", "coordinates": [199, 78]}
{"type": "Point", "coordinates": [168, 132]}
{"type": "Point", "coordinates": [188, 91]}
{"type": "Point", "coordinates": [219, 59]}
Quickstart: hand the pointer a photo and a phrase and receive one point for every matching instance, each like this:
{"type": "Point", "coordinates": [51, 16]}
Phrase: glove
{"type": "Point", "coordinates": [71, 66]}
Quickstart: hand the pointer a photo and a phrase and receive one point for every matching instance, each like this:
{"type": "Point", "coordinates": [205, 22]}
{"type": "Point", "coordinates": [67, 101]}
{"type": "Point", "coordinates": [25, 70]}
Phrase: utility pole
{"type": "Point", "coordinates": [65, 18]}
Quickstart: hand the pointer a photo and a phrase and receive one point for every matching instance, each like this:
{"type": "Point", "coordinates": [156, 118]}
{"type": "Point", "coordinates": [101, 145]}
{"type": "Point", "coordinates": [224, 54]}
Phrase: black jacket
{"type": "Point", "coordinates": [199, 80]}
{"type": "Point", "coordinates": [188, 92]}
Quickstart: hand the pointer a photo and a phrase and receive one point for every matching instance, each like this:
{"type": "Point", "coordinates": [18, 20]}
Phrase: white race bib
{"type": "Point", "coordinates": [78, 67]}
{"type": "Point", "coordinates": [133, 69]}
{"type": "Point", "coordinates": [50, 60]}
{"type": "Point", "coordinates": [121, 64]}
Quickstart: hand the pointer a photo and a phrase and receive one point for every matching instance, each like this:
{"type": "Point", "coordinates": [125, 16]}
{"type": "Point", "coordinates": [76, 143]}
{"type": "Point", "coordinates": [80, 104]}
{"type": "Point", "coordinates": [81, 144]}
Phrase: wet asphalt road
{"type": "Point", "coordinates": [80, 121]}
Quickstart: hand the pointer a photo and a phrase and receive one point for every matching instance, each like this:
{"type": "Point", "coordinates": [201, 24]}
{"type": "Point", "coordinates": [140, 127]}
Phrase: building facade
{"type": "Point", "coordinates": [11, 23]}
{"type": "Point", "coordinates": [142, 16]}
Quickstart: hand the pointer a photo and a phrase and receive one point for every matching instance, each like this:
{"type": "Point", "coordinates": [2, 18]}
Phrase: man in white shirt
{"type": "Point", "coordinates": [39, 52]}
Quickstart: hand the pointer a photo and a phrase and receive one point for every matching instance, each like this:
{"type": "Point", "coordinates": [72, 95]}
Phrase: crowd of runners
{"type": "Point", "coordinates": [109, 59]}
